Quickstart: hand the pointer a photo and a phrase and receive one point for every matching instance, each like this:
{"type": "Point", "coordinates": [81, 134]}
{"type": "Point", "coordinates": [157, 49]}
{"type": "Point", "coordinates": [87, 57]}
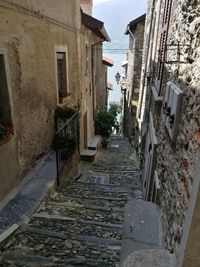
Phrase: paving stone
{"type": "Point", "coordinates": [150, 258]}
{"type": "Point", "coordinates": [82, 224]}
{"type": "Point", "coordinates": [142, 222]}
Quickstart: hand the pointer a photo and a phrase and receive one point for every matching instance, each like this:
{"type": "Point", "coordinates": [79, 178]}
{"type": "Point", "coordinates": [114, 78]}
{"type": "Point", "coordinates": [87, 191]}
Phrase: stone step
{"type": "Point", "coordinates": [150, 258]}
{"type": "Point", "coordinates": [95, 201]}
{"type": "Point", "coordinates": [17, 258]}
{"type": "Point", "coordinates": [97, 193]}
{"type": "Point", "coordinates": [94, 142]}
{"type": "Point", "coordinates": [88, 155]}
{"type": "Point", "coordinates": [142, 227]}
{"type": "Point", "coordinates": [98, 187]}
{"type": "Point", "coordinates": [96, 213]}
{"type": "Point", "coordinates": [77, 228]}
{"type": "Point", "coordinates": [41, 245]}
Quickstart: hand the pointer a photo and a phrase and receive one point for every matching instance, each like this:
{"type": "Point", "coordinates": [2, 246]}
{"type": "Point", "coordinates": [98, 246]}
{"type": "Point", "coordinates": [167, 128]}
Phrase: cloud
{"type": "Point", "coordinates": [100, 1]}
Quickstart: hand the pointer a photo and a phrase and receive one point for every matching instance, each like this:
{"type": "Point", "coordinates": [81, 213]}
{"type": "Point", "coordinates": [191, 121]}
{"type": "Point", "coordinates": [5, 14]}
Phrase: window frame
{"type": "Point", "coordinates": [3, 52]}
{"type": "Point", "coordinates": [61, 49]}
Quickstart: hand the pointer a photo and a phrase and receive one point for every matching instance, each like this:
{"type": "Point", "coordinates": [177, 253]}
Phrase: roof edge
{"type": "Point", "coordinates": [95, 25]}
{"type": "Point", "coordinates": [134, 22]}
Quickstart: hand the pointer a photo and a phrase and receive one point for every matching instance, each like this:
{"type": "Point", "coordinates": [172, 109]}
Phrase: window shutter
{"type": "Point", "coordinates": [163, 44]}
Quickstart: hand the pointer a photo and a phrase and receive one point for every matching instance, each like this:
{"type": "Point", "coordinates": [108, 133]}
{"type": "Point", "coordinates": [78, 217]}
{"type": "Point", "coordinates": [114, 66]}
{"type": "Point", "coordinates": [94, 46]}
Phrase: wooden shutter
{"type": "Point", "coordinates": [163, 44]}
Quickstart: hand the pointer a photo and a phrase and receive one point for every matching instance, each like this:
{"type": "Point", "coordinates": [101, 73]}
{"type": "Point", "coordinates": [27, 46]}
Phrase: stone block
{"type": "Point", "coordinates": [150, 258]}
{"type": "Point", "coordinates": [142, 222]}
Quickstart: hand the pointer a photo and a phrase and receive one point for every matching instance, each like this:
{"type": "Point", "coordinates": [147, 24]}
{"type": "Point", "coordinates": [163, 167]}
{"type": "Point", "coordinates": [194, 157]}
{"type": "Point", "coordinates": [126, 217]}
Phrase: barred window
{"type": "Point", "coordinates": [62, 74]}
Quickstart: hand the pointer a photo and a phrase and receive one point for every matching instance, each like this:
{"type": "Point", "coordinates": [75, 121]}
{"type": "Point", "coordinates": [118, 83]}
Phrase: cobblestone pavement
{"type": "Point", "coordinates": [82, 225]}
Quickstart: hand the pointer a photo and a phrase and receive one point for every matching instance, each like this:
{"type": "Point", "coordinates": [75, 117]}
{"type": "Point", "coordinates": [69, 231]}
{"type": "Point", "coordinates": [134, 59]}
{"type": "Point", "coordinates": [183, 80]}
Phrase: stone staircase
{"type": "Point", "coordinates": [98, 220]}
{"type": "Point", "coordinates": [79, 226]}
{"type": "Point", "coordinates": [93, 145]}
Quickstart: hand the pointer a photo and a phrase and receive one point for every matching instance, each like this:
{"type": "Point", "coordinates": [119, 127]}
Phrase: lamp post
{"type": "Point", "coordinates": [117, 77]}
{"type": "Point", "coordinates": [124, 85]}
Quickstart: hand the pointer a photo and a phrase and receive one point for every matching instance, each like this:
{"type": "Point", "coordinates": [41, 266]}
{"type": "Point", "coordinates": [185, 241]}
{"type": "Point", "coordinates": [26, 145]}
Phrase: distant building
{"type": "Point", "coordinates": [102, 96]}
{"type": "Point", "coordinates": [93, 75]}
{"type": "Point", "coordinates": [132, 71]}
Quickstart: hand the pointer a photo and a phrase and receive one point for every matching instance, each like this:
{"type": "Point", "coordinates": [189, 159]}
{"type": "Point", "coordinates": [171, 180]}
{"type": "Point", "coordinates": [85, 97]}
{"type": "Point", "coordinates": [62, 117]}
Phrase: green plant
{"type": "Point", "coordinates": [104, 122]}
{"type": "Point", "coordinates": [114, 109]}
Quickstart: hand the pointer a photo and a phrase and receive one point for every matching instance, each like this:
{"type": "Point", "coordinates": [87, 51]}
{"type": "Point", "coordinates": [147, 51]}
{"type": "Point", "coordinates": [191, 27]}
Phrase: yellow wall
{"type": "Point", "coordinates": [88, 83]}
{"type": "Point", "coordinates": [30, 33]}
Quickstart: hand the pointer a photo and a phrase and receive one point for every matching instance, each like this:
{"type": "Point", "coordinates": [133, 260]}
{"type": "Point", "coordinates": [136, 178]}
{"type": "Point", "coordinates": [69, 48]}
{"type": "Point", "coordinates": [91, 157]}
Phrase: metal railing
{"type": "Point", "coordinates": [66, 141]}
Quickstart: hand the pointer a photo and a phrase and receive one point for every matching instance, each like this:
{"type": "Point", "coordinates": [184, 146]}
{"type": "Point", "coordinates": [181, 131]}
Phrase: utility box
{"type": "Point", "coordinates": [172, 109]}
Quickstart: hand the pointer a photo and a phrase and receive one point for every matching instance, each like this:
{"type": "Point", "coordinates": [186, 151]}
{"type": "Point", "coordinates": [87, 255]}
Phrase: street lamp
{"type": "Point", "coordinates": [117, 77]}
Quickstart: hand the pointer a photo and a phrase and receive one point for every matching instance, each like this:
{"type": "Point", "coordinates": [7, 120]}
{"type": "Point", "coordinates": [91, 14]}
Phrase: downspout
{"type": "Point", "coordinates": [131, 32]}
{"type": "Point", "coordinates": [146, 60]}
{"type": "Point", "coordinates": [134, 48]}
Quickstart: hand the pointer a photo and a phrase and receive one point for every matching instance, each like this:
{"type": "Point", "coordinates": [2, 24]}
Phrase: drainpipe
{"type": "Point", "coordinates": [146, 59]}
{"type": "Point", "coordinates": [131, 32]}
{"type": "Point", "coordinates": [133, 47]}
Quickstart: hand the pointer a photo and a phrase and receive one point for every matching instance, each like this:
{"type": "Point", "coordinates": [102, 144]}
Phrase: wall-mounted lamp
{"type": "Point", "coordinates": [117, 77]}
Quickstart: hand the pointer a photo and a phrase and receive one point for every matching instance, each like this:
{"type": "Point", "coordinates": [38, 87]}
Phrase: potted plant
{"type": "Point", "coordinates": [103, 125]}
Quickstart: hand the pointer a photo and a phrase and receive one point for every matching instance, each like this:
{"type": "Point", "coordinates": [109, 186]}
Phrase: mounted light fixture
{"type": "Point", "coordinates": [117, 77]}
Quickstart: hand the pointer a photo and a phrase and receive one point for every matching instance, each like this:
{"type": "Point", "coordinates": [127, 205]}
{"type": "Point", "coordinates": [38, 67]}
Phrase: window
{"type": "Point", "coordinates": [62, 75]}
{"type": "Point", "coordinates": [6, 129]}
{"type": "Point", "coordinates": [172, 109]}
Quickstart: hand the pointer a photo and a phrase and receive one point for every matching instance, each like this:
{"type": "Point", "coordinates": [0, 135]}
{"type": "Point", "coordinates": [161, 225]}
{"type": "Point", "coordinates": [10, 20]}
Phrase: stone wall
{"type": "Point", "coordinates": [176, 162]}
{"type": "Point", "coordinates": [30, 33]}
{"type": "Point", "coordinates": [102, 88]}
{"type": "Point", "coordinates": [139, 39]}
{"type": "Point", "coordinates": [136, 39]}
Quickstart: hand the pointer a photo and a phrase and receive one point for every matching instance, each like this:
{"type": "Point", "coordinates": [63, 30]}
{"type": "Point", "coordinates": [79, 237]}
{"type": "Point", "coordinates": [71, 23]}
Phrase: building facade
{"type": "Point", "coordinates": [133, 65]}
{"type": "Point", "coordinates": [169, 117]}
{"type": "Point", "coordinates": [93, 75]}
{"type": "Point", "coordinates": [39, 51]}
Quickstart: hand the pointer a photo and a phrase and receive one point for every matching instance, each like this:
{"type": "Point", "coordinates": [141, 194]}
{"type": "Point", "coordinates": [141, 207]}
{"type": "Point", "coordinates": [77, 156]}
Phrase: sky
{"type": "Point", "coordinates": [116, 14]}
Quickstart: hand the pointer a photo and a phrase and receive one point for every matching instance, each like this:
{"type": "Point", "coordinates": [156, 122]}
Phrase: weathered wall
{"type": "Point", "coordinates": [139, 39]}
{"type": "Point", "coordinates": [134, 70]}
{"type": "Point", "coordinates": [87, 89]}
{"type": "Point", "coordinates": [86, 6]}
{"type": "Point", "coordinates": [176, 162]}
{"type": "Point", "coordinates": [30, 31]}
{"type": "Point", "coordinates": [99, 77]}
{"type": "Point", "coordinates": [102, 87]}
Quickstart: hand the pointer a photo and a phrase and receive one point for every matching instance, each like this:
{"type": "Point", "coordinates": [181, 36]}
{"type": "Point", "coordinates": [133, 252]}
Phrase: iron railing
{"type": "Point", "coordinates": [66, 141]}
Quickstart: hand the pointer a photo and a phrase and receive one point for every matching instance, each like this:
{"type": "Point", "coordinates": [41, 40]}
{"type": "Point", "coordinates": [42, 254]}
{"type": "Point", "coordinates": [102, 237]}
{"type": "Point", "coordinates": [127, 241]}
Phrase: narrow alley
{"type": "Point", "coordinates": [82, 225]}
{"type": "Point", "coordinates": [99, 133]}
